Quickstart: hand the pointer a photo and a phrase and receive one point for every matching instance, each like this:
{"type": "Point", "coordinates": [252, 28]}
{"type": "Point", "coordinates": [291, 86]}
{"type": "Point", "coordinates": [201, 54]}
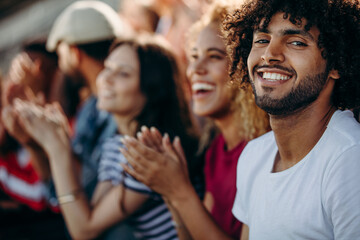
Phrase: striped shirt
{"type": "Point", "coordinates": [153, 220]}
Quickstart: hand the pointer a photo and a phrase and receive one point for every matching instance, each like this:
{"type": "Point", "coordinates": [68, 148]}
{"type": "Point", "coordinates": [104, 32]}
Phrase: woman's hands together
{"type": "Point", "coordinates": [13, 90]}
{"type": "Point", "coordinates": [157, 162]}
{"type": "Point", "coordinates": [47, 125]}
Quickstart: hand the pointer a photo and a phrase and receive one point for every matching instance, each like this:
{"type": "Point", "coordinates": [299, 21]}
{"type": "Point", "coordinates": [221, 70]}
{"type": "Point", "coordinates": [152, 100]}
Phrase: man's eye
{"type": "Point", "coordinates": [298, 43]}
{"type": "Point", "coordinates": [262, 41]}
{"type": "Point", "coordinates": [124, 74]}
{"type": "Point", "coordinates": [216, 56]}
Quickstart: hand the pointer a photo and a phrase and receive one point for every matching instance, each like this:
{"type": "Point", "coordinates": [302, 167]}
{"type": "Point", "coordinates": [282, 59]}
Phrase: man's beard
{"type": "Point", "coordinates": [303, 95]}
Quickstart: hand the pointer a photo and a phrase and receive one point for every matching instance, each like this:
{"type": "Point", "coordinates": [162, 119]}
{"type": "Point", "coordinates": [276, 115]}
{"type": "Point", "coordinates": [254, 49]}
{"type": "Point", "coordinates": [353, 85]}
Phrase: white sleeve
{"type": "Point", "coordinates": [240, 206]}
{"type": "Point", "coordinates": [341, 194]}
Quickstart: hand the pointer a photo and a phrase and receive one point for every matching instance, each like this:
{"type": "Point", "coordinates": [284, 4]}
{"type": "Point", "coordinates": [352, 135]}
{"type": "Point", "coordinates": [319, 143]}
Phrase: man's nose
{"type": "Point", "coordinates": [273, 53]}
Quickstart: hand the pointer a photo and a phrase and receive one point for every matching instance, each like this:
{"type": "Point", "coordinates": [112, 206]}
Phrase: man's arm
{"type": "Point", "coordinates": [39, 160]}
{"type": "Point", "coordinates": [341, 194]}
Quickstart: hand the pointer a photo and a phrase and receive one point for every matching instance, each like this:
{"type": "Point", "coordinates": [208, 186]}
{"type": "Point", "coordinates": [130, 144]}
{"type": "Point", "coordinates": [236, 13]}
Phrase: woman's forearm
{"type": "Point", "coordinates": [74, 206]}
{"type": "Point", "coordinates": [86, 221]}
{"type": "Point", "coordinates": [182, 231]}
{"type": "Point", "coordinates": [39, 161]}
{"type": "Point", "coordinates": [196, 218]}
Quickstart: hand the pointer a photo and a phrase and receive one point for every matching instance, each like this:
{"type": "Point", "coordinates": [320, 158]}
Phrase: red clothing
{"type": "Point", "coordinates": [21, 182]}
{"type": "Point", "coordinates": [220, 181]}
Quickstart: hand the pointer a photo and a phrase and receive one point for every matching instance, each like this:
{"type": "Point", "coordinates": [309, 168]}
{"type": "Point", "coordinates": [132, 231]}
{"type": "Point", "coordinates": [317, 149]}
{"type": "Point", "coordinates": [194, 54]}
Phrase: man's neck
{"type": "Point", "coordinates": [297, 134]}
{"type": "Point", "coordinates": [90, 70]}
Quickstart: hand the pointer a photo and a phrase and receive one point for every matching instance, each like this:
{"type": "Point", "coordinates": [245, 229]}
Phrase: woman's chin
{"type": "Point", "coordinates": [103, 107]}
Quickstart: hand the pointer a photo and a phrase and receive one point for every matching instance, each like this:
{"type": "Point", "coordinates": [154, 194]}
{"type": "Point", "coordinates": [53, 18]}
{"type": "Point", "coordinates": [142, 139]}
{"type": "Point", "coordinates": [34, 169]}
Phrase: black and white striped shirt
{"type": "Point", "coordinates": [153, 220]}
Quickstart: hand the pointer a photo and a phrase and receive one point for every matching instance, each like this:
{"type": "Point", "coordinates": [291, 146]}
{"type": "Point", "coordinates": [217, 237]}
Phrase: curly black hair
{"type": "Point", "coordinates": [338, 22]}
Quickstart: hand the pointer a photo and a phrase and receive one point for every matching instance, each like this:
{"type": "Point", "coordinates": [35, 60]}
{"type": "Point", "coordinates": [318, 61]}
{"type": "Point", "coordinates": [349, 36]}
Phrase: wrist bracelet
{"type": "Point", "coordinates": [67, 198]}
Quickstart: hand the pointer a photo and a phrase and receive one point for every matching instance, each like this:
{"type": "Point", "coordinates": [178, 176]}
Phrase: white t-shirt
{"type": "Point", "coordinates": [318, 198]}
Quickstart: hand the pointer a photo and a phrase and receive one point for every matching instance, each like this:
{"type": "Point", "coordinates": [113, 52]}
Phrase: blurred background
{"type": "Point", "coordinates": [27, 19]}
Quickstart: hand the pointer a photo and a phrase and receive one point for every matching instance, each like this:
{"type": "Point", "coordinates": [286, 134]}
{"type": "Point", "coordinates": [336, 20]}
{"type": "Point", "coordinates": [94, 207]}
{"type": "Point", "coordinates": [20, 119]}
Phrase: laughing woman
{"type": "Point", "coordinates": [139, 86]}
{"type": "Point", "coordinates": [233, 111]}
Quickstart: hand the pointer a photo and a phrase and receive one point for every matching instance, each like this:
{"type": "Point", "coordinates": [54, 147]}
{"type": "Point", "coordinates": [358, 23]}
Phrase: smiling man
{"type": "Point", "coordinates": [300, 181]}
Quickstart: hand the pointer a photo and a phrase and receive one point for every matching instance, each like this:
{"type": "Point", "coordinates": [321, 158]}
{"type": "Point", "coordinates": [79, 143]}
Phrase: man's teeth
{"type": "Point", "coordinates": [202, 86]}
{"type": "Point", "coordinates": [275, 76]}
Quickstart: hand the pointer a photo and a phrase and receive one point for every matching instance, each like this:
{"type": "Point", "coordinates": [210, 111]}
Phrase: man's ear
{"type": "Point", "coordinates": [75, 55]}
{"type": "Point", "coordinates": [334, 74]}
{"type": "Point", "coordinates": [37, 66]}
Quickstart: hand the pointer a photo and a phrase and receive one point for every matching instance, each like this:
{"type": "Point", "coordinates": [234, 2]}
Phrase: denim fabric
{"type": "Point", "coordinates": [92, 128]}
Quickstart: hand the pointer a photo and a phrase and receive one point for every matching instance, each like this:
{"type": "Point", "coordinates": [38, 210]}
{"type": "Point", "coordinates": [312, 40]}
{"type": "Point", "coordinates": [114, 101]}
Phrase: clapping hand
{"type": "Point", "coordinates": [12, 91]}
{"type": "Point", "coordinates": [161, 167]}
{"type": "Point", "coordinates": [47, 125]}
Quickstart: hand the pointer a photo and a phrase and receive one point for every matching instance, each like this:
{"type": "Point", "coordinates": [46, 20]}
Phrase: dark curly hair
{"type": "Point", "coordinates": [338, 22]}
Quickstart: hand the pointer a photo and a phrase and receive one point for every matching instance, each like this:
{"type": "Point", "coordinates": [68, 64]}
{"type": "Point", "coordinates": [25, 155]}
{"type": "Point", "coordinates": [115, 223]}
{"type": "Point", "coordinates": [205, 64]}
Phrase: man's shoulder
{"type": "Point", "coordinates": [343, 128]}
{"type": "Point", "coordinates": [340, 142]}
